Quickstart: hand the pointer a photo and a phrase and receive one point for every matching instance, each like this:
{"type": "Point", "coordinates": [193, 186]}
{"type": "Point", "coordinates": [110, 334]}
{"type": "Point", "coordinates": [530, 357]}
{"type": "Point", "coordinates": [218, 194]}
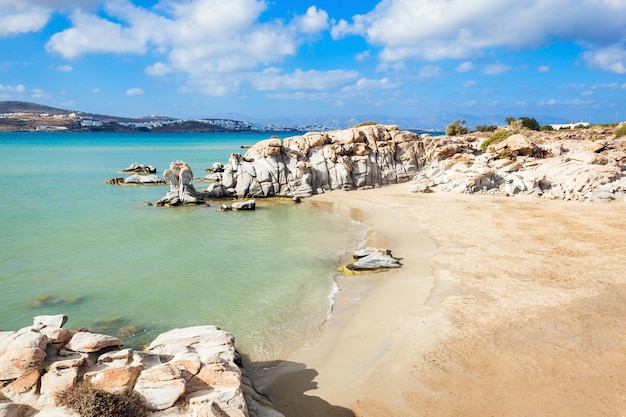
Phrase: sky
{"type": "Point", "coordinates": [555, 60]}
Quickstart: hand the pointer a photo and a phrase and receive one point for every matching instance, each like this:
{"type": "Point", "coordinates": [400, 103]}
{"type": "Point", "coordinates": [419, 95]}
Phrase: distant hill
{"type": "Point", "coordinates": [29, 108]}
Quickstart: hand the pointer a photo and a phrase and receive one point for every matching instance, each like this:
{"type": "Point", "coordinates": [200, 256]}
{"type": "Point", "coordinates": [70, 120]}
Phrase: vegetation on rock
{"type": "Point", "coordinates": [88, 401]}
{"type": "Point", "coordinates": [621, 131]}
{"type": "Point", "coordinates": [497, 137]}
{"type": "Point", "coordinates": [456, 128]}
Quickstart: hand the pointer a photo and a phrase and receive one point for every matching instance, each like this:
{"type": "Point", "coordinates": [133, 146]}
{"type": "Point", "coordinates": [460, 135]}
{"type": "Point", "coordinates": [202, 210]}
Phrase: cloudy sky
{"type": "Point", "coordinates": [551, 59]}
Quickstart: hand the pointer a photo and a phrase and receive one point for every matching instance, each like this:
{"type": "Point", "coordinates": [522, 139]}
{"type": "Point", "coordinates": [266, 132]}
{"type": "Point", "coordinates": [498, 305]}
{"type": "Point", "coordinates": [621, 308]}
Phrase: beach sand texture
{"type": "Point", "coordinates": [504, 307]}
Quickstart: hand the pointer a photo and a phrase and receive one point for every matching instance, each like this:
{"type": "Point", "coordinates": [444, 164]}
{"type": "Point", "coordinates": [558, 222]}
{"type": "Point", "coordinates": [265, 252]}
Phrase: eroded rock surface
{"type": "Point", "coordinates": [184, 372]}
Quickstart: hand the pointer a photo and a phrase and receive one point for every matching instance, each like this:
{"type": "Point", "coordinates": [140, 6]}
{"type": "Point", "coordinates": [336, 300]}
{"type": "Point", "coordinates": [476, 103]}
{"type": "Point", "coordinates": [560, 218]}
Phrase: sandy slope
{"type": "Point", "coordinates": [518, 310]}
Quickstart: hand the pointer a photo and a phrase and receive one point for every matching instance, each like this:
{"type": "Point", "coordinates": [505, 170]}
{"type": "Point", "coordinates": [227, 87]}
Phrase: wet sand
{"type": "Point", "coordinates": [503, 307]}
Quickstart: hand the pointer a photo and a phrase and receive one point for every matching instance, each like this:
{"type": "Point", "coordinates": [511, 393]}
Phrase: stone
{"type": "Point", "coordinates": [87, 342]}
{"type": "Point", "coordinates": [158, 394]}
{"type": "Point", "coordinates": [140, 169]}
{"type": "Point", "coordinates": [143, 179]}
{"type": "Point", "coordinates": [21, 352]}
{"type": "Point", "coordinates": [56, 380]}
{"type": "Point", "coordinates": [117, 380]}
{"type": "Point", "coordinates": [244, 205]}
{"type": "Point", "coordinates": [51, 321]}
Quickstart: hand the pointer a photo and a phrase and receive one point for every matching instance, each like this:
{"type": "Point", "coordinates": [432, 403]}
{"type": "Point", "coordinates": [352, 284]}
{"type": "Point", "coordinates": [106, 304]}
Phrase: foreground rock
{"type": "Point", "coordinates": [183, 372]}
{"type": "Point", "coordinates": [370, 260]}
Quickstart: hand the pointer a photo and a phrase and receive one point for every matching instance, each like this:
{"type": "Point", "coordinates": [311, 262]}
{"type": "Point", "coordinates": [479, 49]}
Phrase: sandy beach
{"type": "Point", "coordinates": [503, 307]}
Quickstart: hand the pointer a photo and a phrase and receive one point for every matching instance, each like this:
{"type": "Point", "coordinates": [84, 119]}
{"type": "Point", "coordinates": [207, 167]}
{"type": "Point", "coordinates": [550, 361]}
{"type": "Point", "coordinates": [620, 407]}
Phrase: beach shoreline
{"type": "Point", "coordinates": [503, 306]}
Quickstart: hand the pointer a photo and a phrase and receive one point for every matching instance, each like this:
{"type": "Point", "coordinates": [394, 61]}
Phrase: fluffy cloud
{"type": "Point", "coordinates": [23, 16]}
{"type": "Point", "coordinates": [20, 17]}
{"type": "Point", "coordinates": [215, 43]}
{"type": "Point", "coordinates": [611, 58]}
{"type": "Point", "coordinates": [434, 29]}
{"type": "Point", "coordinates": [274, 79]}
{"type": "Point", "coordinates": [134, 92]}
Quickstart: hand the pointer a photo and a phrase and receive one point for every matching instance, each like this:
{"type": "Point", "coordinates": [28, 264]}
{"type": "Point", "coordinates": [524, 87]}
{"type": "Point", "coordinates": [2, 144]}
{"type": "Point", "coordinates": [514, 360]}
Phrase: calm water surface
{"type": "Point", "coordinates": [72, 244]}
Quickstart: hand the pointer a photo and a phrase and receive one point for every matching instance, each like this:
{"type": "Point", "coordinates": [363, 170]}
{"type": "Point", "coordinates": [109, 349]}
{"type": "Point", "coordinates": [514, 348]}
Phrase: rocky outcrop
{"type": "Point", "coordinates": [580, 165]}
{"type": "Point", "coordinates": [180, 178]}
{"type": "Point", "coordinates": [184, 372]}
{"type": "Point", "coordinates": [300, 166]}
{"type": "Point", "coordinates": [585, 166]}
{"type": "Point", "coordinates": [137, 179]}
{"type": "Point", "coordinates": [136, 168]}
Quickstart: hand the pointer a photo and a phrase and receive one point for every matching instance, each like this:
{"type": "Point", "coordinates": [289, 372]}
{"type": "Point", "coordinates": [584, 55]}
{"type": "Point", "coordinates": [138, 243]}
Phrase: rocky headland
{"type": "Point", "coordinates": [587, 164]}
{"type": "Point", "coordinates": [49, 371]}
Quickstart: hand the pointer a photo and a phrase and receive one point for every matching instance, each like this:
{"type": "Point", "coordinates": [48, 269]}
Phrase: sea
{"type": "Point", "coordinates": [116, 264]}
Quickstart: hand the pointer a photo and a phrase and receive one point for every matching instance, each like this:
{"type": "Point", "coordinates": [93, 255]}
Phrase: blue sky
{"type": "Point", "coordinates": [557, 60]}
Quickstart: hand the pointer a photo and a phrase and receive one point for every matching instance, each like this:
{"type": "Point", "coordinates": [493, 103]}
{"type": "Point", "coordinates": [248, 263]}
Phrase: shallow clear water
{"type": "Point", "coordinates": [72, 244]}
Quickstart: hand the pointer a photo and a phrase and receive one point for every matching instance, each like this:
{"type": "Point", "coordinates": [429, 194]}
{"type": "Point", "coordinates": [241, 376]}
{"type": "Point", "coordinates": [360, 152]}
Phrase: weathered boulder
{"type": "Point", "coordinates": [371, 260]}
{"type": "Point", "coordinates": [244, 205]}
{"type": "Point", "coordinates": [140, 169]}
{"type": "Point", "coordinates": [182, 191]}
{"type": "Point", "coordinates": [87, 342]}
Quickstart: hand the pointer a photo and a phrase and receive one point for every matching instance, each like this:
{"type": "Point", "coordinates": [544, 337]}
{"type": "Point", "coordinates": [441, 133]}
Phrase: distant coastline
{"type": "Point", "coordinates": [20, 116]}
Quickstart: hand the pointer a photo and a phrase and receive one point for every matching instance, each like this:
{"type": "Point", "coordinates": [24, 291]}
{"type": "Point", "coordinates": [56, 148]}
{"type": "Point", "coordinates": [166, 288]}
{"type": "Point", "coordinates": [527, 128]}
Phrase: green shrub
{"type": "Point", "coordinates": [88, 401]}
{"type": "Point", "coordinates": [497, 137]}
{"type": "Point", "coordinates": [621, 131]}
{"type": "Point", "coordinates": [455, 129]}
{"type": "Point", "coordinates": [547, 128]}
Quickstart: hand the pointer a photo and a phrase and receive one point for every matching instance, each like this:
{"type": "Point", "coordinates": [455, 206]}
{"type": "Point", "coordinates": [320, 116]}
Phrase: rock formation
{"type": "Point", "coordinates": [136, 168]}
{"type": "Point", "coordinates": [588, 165]}
{"type": "Point", "coordinates": [579, 165]}
{"type": "Point", "coordinates": [137, 179]}
{"type": "Point", "coordinates": [370, 260]}
{"type": "Point", "coordinates": [300, 166]}
{"type": "Point", "coordinates": [182, 191]}
{"type": "Point", "coordinates": [184, 372]}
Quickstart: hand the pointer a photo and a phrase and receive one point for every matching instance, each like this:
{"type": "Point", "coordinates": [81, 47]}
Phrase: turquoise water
{"type": "Point", "coordinates": [99, 253]}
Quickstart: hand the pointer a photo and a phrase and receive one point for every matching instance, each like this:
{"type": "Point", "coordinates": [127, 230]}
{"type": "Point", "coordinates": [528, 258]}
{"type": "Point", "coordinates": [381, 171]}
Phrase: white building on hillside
{"type": "Point", "coordinates": [557, 126]}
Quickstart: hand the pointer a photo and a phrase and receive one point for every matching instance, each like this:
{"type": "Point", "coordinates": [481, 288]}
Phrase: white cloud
{"type": "Point", "coordinates": [313, 21]}
{"type": "Point", "coordinates": [12, 88]}
{"type": "Point", "coordinates": [20, 17]}
{"type": "Point", "coordinates": [363, 56]}
{"type": "Point", "coordinates": [429, 71]}
{"type": "Point", "coordinates": [612, 58]}
{"type": "Point", "coordinates": [434, 29]}
{"type": "Point", "coordinates": [274, 79]}
{"type": "Point", "coordinates": [465, 67]}
{"type": "Point", "coordinates": [65, 68]}
{"type": "Point", "coordinates": [495, 69]}
{"type": "Point", "coordinates": [543, 68]}
{"type": "Point", "coordinates": [468, 84]}
{"type": "Point", "coordinates": [134, 92]}
{"type": "Point", "coordinates": [368, 84]}
{"type": "Point", "coordinates": [215, 43]}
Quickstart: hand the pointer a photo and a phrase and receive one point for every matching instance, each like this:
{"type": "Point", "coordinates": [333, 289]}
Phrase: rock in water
{"type": "Point", "coordinates": [244, 205]}
{"type": "Point", "coordinates": [182, 191]}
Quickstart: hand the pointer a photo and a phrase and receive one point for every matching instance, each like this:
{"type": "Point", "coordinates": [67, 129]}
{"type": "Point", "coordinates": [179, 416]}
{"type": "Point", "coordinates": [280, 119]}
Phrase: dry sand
{"type": "Point", "coordinates": [504, 307]}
